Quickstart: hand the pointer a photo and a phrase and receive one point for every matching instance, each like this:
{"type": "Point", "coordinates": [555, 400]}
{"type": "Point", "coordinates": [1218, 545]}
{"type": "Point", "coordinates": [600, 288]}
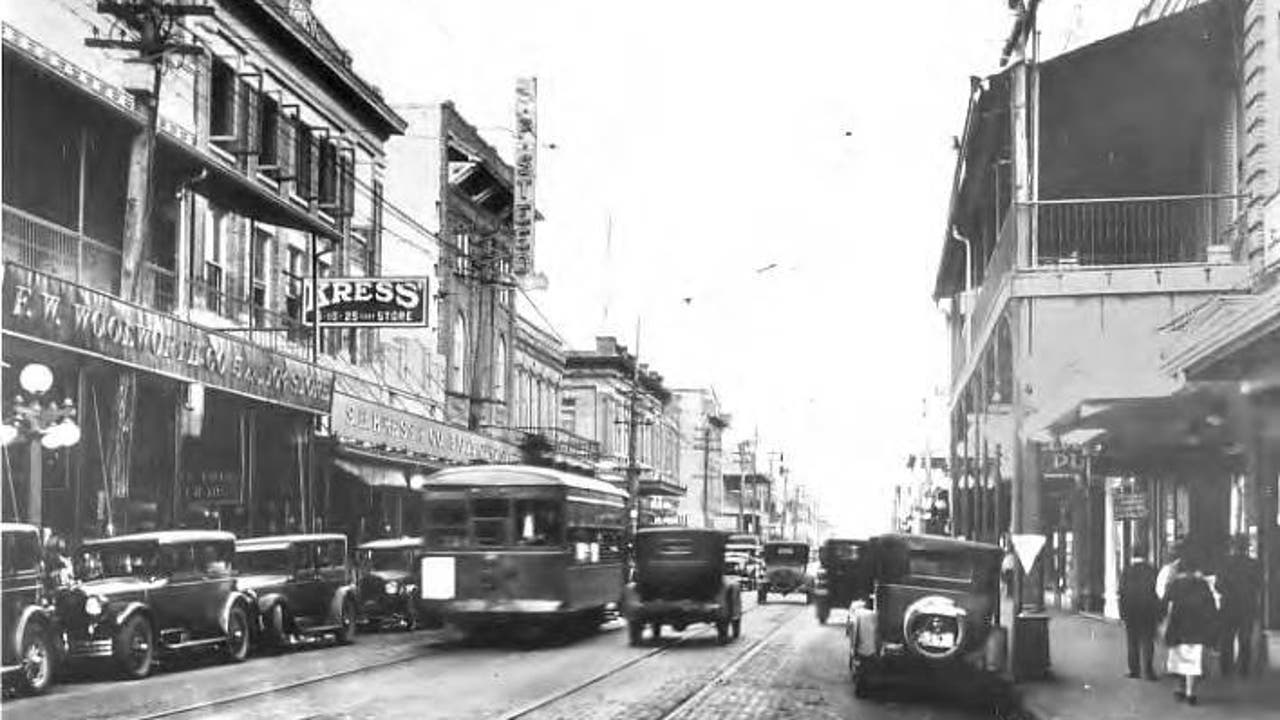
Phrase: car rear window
{"type": "Point", "coordinates": [949, 566]}
{"type": "Point", "coordinates": [675, 547]}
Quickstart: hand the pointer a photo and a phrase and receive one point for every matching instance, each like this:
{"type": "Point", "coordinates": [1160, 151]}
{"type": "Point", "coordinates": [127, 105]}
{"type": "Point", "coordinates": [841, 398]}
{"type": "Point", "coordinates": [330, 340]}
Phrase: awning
{"type": "Point", "coordinates": [1242, 344]}
{"type": "Point", "coordinates": [379, 469]}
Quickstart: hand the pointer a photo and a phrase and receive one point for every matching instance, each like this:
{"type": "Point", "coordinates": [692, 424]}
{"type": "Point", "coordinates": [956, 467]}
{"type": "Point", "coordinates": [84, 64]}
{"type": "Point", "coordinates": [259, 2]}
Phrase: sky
{"type": "Point", "coordinates": [698, 143]}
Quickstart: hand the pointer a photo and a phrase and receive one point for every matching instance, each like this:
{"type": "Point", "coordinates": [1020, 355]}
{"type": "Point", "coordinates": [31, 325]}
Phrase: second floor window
{"type": "Point", "coordinates": [222, 100]}
{"type": "Point", "coordinates": [458, 355]}
{"type": "Point", "coordinates": [259, 262]}
{"type": "Point", "coordinates": [294, 275]}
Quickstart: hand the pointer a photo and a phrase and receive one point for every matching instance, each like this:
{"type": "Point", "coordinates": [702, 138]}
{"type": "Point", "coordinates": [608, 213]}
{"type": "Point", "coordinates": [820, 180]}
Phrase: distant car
{"type": "Point", "coordinates": [934, 615]}
{"type": "Point", "coordinates": [29, 634]}
{"type": "Point", "coordinates": [156, 592]}
{"type": "Point", "coordinates": [844, 574]}
{"type": "Point", "coordinates": [742, 559]}
{"type": "Point", "coordinates": [785, 570]}
{"type": "Point", "coordinates": [385, 582]}
{"type": "Point", "coordinates": [300, 586]}
{"type": "Point", "coordinates": [680, 580]}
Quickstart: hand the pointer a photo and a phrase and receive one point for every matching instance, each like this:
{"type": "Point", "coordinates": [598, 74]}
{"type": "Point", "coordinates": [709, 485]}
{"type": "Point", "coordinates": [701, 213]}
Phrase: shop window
{"type": "Point", "coordinates": [491, 521]}
{"type": "Point", "coordinates": [539, 522]}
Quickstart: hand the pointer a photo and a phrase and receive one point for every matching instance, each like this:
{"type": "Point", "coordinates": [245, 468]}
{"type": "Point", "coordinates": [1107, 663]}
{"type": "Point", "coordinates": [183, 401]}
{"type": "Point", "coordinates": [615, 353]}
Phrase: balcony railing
{"type": "Point", "coordinates": [1160, 230]}
{"type": "Point", "coordinates": [257, 324]}
{"type": "Point", "coordinates": [564, 442]}
{"type": "Point", "coordinates": [37, 243]}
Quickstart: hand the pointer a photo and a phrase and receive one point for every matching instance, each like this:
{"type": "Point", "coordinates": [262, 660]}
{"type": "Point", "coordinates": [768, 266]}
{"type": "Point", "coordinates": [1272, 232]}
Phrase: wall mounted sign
{"type": "Point", "coordinates": [213, 487]}
{"type": "Point", "coordinates": [52, 310]}
{"type": "Point", "coordinates": [524, 212]}
{"type": "Point", "coordinates": [368, 302]}
{"type": "Point", "coordinates": [360, 420]}
{"type": "Point", "coordinates": [1129, 505]}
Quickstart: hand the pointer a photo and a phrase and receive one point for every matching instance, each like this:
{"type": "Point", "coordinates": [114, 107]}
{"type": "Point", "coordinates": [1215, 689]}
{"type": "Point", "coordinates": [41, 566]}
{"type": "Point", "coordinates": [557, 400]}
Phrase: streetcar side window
{"type": "Point", "coordinates": [540, 522]}
{"type": "Point", "coordinates": [446, 523]}
{"type": "Point", "coordinates": [491, 521]}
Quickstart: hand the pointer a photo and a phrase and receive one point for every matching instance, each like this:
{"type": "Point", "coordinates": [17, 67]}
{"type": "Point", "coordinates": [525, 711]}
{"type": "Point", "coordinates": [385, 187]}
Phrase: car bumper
{"type": "Point", "coordinates": [667, 610]}
{"type": "Point", "coordinates": [384, 607]}
{"type": "Point", "coordinates": [89, 648]}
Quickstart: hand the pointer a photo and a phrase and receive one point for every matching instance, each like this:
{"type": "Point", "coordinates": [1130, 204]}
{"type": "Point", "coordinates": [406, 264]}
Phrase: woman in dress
{"type": "Point", "coordinates": [1192, 614]}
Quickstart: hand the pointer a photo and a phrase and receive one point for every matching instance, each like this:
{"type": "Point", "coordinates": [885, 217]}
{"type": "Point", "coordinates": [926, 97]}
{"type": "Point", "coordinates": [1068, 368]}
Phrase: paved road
{"type": "Point", "coordinates": [785, 665]}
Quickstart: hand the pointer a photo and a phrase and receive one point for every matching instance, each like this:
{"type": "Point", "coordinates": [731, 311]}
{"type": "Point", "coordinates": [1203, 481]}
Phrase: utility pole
{"type": "Point", "coordinates": [154, 25]}
{"type": "Point", "coordinates": [742, 484]}
{"type": "Point", "coordinates": [706, 471]}
{"type": "Point", "coordinates": [633, 471]}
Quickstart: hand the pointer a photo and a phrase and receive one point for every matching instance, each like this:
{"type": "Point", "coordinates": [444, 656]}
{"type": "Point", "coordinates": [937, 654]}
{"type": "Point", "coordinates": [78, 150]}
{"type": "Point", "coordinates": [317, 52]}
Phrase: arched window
{"type": "Point", "coordinates": [458, 355]}
{"type": "Point", "coordinates": [500, 370]}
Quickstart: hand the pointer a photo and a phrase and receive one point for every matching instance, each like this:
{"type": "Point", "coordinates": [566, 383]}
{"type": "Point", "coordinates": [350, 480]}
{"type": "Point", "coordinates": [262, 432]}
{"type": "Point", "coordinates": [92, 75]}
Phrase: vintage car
{"type": "Point", "coordinates": [785, 570]}
{"type": "Point", "coordinates": [385, 582]}
{"type": "Point", "coordinates": [29, 632]}
{"type": "Point", "coordinates": [844, 575]}
{"type": "Point", "coordinates": [742, 559]}
{"type": "Point", "coordinates": [156, 592]}
{"type": "Point", "coordinates": [934, 616]}
{"type": "Point", "coordinates": [300, 587]}
{"type": "Point", "coordinates": [680, 580]}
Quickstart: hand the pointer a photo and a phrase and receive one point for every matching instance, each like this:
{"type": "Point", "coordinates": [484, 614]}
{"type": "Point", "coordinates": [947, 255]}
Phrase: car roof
{"type": "Point", "coordinates": [785, 543]}
{"type": "Point", "coordinates": [936, 542]}
{"type": "Point", "coordinates": [165, 537]}
{"type": "Point", "coordinates": [678, 530]}
{"type": "Point", "coordinates": [391, 543]}
{"type": "Point", "coordinates": [522, 475]}
{"type": "Point", "coordinates": [274, 542]}
{"type": "Point", "coordinates": [846, 541]}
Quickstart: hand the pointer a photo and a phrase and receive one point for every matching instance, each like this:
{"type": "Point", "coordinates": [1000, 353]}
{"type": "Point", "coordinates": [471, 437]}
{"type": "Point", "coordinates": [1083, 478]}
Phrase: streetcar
{"type": "Point", "coordinates": [520, 547]}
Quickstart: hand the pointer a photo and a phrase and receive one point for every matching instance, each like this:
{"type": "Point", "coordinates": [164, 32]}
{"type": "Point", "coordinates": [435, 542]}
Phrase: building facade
{"type": "Point", "coordinates": [202, 396]}
{"type": "Point", "coordinates": [1080, 246]}
{"type": "Point", "coordinates": [701, 423]}
{"type": "Point", "coordinates": [606, 397]}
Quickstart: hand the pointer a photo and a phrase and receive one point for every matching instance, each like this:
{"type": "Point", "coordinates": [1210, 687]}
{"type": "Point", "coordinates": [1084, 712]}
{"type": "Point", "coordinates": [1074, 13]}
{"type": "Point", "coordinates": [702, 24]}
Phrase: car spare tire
{"type": "Point", "coordinates": [934, 628]}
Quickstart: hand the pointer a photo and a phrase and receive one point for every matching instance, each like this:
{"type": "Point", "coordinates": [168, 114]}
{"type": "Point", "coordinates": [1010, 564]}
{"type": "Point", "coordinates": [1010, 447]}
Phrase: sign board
{"type": "Point", "coordinates": [59, 312]}
{"type": "Point", "coordinates": [524, 212]}
{"type": "Point", "coordinates": [359, 420]}
{"type": "Point", "coordinates": [1027, 548]}
{"type": "Point", "coordinates": [1129, 505]}
{"type": "Point", "coordinates": [368, 301]}
{"type": "Point", "coordinates": [213, 487]}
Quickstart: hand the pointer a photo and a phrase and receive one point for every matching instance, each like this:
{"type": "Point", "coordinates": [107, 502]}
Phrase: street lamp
{"type": "Point", "coordinates": [33, 418]}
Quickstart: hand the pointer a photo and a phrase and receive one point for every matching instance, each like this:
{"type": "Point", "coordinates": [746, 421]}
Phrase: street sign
{"type": "Point", "coordinates": [1027, 548]}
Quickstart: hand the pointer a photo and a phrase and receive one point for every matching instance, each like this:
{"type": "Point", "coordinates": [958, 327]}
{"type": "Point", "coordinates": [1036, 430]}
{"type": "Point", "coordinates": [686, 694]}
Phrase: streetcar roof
{"type": "Point", "coordinates": [164, 537]}
{"type": "Point", "coordinates": [399, 543]}
{"type": "Point", "coordinates": [272, 542]}
{"type": "Point", "coordinates": [516, 475]}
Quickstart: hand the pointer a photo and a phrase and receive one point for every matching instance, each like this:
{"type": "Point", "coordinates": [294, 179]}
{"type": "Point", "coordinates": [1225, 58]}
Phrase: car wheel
{"type": "Point", "coordinates": [635, 632]}
{"type": "Point", "coordinates": [722, 632]}
{"type": "Point", "coordinates": [134, 648]}
{"type": "Point", "coordinates": [762, 595]}
{"type": "Point", "coordinates": [237, 648]}
{"type": "Point", "coordinates": [736, 626]}
{"type": "Point", "coordinates": [36, 656]}
{"type": "Point", "coordinates": [347, 622]}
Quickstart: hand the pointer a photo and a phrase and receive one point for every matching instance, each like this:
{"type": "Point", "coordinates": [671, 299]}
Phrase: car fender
{"type": "Point", "coordinates": [340, 596]}
{"type": "Point", "coordinates": [33, 614]}
{"type": "Point", "coordinates": [235, 598]}
{"type": "Point", "coordinates": [131, 609]}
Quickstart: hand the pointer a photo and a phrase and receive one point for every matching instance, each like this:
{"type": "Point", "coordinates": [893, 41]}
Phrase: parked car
{"type": "Point", "coordinates": [385, 582]}
{"type": "Point", "coordinates": [300, 586]}
{"type": "Point", "coordinates": [680, 580]}
{"type": "Point", "coordinates": [934, 615]}
{"type": "Point", "coordinates": [742, 559]}
{"type": "Point", "coordinates": [785, 569]}
{"type": "Point", "coordinates": [844, 574]}
{"type": "Point", "coordinates": [29, 635]}
{"type": "Point", "coordinates": [157, 592]}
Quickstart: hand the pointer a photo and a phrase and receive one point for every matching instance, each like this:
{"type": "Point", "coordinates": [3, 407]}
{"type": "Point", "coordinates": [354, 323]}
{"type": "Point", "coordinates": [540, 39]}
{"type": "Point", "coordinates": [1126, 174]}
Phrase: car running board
{"type": "Point", "coordinates": [195, 643]}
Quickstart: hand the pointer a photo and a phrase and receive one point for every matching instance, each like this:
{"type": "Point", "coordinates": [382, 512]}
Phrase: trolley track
{"type": "Point", "coordinates": [683, 701]}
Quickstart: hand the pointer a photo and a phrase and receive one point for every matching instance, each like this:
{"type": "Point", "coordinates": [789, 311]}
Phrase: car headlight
{"type": "Point", "coordinates": [93, 606]}
{"type": "Point", "coordinates": [392, 587]}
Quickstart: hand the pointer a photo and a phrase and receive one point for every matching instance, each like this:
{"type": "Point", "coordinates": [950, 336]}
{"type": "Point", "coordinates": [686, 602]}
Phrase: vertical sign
{"type": "Point", "coordinates": [526, 168]}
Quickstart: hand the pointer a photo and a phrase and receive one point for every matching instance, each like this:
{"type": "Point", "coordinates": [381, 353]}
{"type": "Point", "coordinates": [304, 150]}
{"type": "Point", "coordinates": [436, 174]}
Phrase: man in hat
{"type": "Point", "coordinates": [1140, 610]}
{"type": "Point", "coordinates": [1239, 583]}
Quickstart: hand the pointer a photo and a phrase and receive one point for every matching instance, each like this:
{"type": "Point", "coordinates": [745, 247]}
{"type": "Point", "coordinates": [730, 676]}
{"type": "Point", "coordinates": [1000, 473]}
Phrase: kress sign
{"type": "Point", "coordinates": [367, 302]}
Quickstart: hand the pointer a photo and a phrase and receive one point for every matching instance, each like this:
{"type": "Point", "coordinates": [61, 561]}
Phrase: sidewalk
{"type": "Point", "coordinates": [1087, 681]}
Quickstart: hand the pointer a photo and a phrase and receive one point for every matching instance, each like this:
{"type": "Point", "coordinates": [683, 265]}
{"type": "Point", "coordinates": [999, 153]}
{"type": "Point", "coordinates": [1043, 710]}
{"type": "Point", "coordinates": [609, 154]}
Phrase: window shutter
{"type": "Point", "coordinates": [347, 178]}
{"type": "Point", "coordinates": [250, 117]}
{"type": "Point", "coordinates": [313, 167]}
{"type": "Point", "coordinates": [286, 151]}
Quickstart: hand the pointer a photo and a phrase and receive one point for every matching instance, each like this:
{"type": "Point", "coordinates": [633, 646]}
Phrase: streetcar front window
{"type": "Point", "coordinates": [491, 521]}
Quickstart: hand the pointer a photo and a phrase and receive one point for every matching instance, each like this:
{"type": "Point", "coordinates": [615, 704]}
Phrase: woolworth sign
{"type": "Point", "coordinates": [368, 301]}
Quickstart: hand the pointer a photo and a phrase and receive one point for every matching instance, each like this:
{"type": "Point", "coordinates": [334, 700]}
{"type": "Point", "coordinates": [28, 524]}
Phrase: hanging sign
{"type": "Point", "coordinates": [368, 301]}
{"type": "Point", "coordinates": [1027, 548]}
{"type": "Point", "coordinates": [523, 209]}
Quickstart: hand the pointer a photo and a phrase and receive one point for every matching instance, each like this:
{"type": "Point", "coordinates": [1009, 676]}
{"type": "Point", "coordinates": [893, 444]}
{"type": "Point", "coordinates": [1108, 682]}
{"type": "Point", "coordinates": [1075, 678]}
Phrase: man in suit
{"type": "Point", "coordinates": [1239, 583]}
{"type": "Point", "coordinates": [1140, 611]}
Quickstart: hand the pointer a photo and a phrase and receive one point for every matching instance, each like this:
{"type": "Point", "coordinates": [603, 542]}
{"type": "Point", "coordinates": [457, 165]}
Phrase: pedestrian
{"type": "Point", "coordinates": [1240, 585]}
{"type": "Point", "coordinates": [1169, 569]}
{"type": "Point", "coordinates": [1140, 611]}
{"type": "Point", "coordinates": [1192, 624]}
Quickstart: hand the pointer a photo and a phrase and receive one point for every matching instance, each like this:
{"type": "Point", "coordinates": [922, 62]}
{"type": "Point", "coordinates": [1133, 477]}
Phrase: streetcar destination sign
{"type": "Point", "coordinates": [368, 302]}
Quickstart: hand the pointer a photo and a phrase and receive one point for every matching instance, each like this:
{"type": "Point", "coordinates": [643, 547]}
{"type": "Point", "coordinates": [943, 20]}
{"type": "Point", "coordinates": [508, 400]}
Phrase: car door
{"type": "Point", "coordinates": [176, 589]}
{"type": "Point", "coordinates": [332, 571]}
{"type": "Point", "coordinates": [304, 587]}
{"type": "Point", "coordinates": [209, 595]}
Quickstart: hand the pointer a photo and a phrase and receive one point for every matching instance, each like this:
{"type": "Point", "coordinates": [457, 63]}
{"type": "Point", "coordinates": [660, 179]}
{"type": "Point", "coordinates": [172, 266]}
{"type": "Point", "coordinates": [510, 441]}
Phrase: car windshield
{"type": "Point", "coordinates": [118, 559]}
{"type": "Point", "coordinates": [388, 559]}
{"type": "Point", "coordinates": [274, 561]}
{"type": "Point", "coordinates": [844, 551]}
